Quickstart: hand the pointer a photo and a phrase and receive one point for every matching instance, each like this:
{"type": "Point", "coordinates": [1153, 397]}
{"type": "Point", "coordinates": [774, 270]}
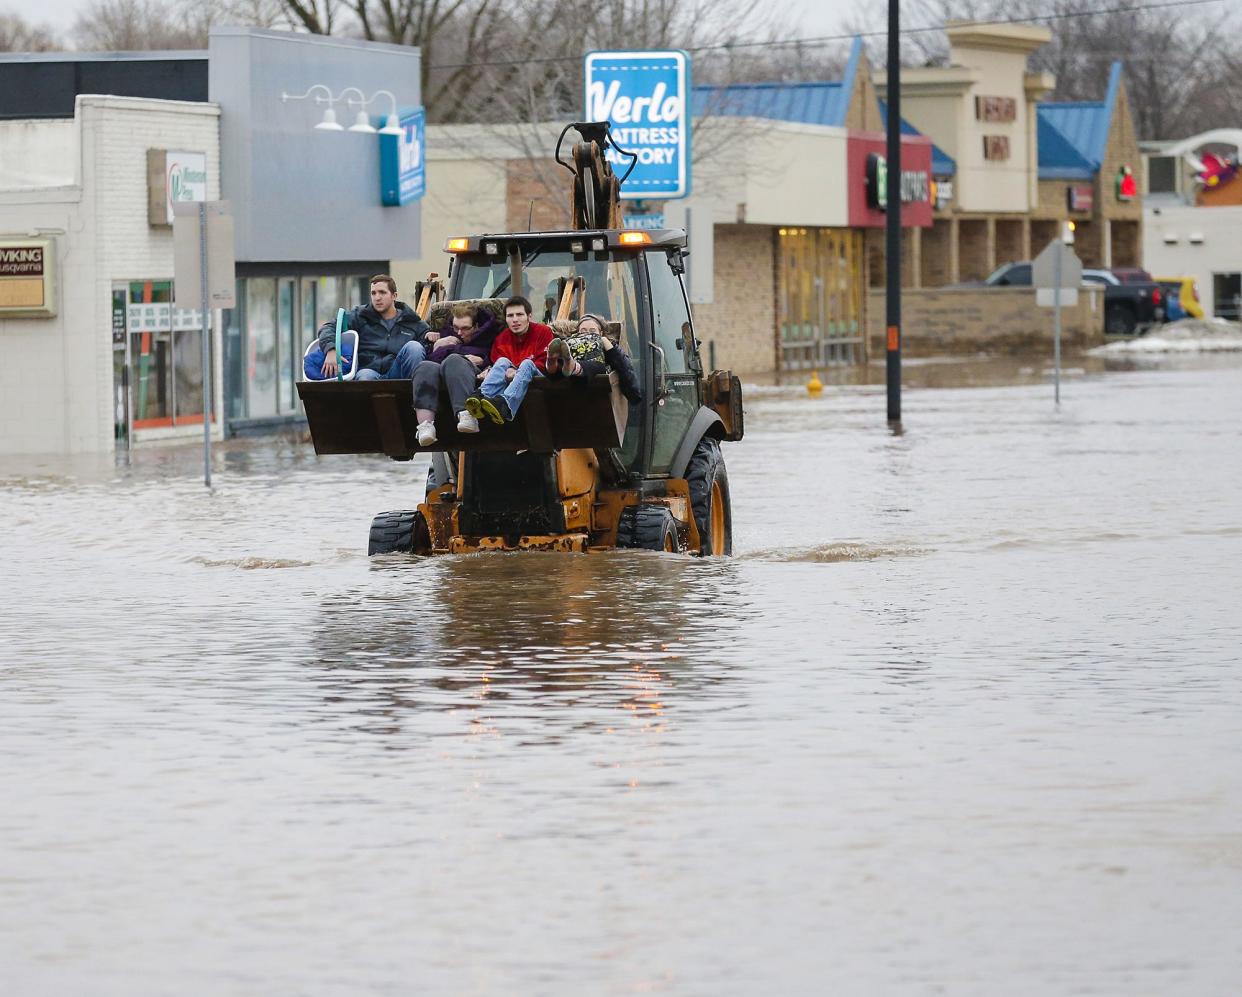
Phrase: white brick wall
{"type": "Point", "coordinates": [57, 393]}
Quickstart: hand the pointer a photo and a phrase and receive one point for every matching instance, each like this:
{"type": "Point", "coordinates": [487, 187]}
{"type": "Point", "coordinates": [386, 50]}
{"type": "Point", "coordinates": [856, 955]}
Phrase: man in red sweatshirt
{"type": "Point", "coordinates": [519, 355]}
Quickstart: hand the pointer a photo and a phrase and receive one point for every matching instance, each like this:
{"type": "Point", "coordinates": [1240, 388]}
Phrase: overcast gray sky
{"type": "Point", "coordinates": [803, 17]}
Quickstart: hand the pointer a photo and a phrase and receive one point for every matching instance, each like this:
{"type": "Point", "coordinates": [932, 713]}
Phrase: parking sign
{"type": "Point", "coordinates": [644, 96]}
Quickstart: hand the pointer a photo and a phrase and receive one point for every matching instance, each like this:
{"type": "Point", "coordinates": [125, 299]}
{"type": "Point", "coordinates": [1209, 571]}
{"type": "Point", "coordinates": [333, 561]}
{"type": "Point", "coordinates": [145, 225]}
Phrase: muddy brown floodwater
{"type": "Point", "coordinates": [964, 716]}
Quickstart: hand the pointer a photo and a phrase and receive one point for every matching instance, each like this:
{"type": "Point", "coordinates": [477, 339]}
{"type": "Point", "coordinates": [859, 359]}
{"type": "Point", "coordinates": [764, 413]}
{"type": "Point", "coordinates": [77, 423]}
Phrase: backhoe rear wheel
{"type": "Point", "coordinates": [709, 499]}
{"type": "Point", "coordinates": [403, 531]}
{"type": "Point", "coordinates": [648, 527]}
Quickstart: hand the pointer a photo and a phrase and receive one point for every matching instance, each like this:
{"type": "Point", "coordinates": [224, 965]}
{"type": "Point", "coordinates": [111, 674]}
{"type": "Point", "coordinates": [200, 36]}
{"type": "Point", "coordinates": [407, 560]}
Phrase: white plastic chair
{"type": "Point", "coordinates": [348, 334]}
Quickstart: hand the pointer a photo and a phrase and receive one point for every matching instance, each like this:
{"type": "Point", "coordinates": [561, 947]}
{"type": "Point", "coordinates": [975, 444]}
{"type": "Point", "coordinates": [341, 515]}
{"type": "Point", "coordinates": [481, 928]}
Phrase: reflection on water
{"type": "Point", "coordinates": [596, 639]}
{"type": "Point", "coordinates": [960, 717]}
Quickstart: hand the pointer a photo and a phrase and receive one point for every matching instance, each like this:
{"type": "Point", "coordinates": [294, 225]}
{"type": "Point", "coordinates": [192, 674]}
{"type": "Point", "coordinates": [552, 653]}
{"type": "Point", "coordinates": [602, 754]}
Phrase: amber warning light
{"type": "Point", "coordinates": [635, 239]}
{"type": "Point", "coordinates": [457, 245]}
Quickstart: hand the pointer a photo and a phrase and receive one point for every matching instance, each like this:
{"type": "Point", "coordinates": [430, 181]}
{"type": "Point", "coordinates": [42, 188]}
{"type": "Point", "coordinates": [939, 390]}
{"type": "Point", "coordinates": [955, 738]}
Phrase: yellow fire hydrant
{"type": "Point", "coordinates": [814, 386]}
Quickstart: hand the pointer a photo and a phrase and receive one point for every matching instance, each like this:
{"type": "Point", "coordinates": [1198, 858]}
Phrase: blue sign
{"type": "Point", "coordinates": [403, 161]}
{"type": "Point", "coordinates": [644, 95]}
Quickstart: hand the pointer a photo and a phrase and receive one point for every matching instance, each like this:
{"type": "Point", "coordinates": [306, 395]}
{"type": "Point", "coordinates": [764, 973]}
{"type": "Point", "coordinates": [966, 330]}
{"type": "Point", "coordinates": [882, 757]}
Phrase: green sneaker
{"type": "Point", "coordinates": [496, 409]}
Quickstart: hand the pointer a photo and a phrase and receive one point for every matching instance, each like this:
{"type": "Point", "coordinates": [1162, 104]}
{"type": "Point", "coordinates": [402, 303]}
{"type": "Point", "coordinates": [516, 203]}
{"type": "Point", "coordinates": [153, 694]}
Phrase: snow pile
{"type": "Point", "coordinates": [1190, 335]}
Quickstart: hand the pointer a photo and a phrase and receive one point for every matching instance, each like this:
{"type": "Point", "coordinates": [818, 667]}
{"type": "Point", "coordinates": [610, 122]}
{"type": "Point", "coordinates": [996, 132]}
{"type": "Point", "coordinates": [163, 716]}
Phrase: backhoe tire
{"type": "Point", "coordinates": [401, 532]}
{"type": "Point", "coordinates": [648, 527]}
{"type": "Point", "coordinates": [709, 499]}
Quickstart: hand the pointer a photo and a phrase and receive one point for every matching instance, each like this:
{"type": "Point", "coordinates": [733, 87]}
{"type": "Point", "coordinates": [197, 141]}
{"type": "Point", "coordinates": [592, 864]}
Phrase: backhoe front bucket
{"type": "Point", "coordinates": [355, 417]}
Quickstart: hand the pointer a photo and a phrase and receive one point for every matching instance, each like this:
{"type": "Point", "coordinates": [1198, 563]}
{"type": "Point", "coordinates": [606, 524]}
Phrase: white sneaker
{"type": "Point", "coordinates": [426, 434]}
{"type": "Point", "coordinates": [466, 423]}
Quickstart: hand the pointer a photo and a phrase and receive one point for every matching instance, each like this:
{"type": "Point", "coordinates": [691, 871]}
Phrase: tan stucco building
{"type": "Point", "coordinates": [1018, 167]}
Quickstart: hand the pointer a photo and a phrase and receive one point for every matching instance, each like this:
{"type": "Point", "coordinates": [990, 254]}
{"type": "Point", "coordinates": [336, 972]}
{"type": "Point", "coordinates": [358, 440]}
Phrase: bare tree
{"type": "Point", "coordinates": [1176, 62]}
{"type": "Point", "coordinates": [549, 87]}
{"type": "Point", "coordinates": [18, 35]}
{"type": "Point", "coordinates": [139, 25]}
{"type": "Point", "coordinates": [489, 60]}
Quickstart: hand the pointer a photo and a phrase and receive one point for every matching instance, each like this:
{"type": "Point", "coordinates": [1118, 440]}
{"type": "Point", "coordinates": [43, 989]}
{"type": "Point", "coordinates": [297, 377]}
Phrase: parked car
{"type": "Point", "coordinates": [1133, 302]}
{"type": "Point", "coordinates": [1187, 291]}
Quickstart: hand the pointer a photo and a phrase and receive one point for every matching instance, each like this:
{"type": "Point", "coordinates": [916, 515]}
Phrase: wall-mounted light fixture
{"type": "Point", "coordinates": [352, 97]}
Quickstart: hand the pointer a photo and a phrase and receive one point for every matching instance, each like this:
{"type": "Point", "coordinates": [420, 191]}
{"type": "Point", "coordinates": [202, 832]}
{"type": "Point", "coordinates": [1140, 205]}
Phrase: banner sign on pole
{"type": "Point", "coordinates": [188, 238]}
{"type": "Point", "coordinates": [403, 161]}
{"type": "Point", "coordinates": [1056, 273]}
{"type": "Point", "coordinates": [645, 97]}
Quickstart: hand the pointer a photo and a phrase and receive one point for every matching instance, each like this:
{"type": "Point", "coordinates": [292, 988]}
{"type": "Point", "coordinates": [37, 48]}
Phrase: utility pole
{"type": "Point", "coordinates": [892, 220]}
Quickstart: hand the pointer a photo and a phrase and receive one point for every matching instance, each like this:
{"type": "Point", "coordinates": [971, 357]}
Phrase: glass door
{"type": "Point", "coordinates": [820, 303]}
{"type": "Point", "coordinates": [289, 351]}
{"type": "Point", "coordinates": [262, 371]}
{"type": "Point", "coordinates": [1227, 296]}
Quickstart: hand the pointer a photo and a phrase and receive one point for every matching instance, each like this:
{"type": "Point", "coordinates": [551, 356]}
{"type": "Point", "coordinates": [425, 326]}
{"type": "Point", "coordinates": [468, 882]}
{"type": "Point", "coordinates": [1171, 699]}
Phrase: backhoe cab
{"type": "Point", "coordinates": [580, 469]}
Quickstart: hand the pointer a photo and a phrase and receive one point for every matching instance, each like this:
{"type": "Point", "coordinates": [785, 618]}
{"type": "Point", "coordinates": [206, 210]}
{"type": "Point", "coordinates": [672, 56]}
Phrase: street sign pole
{"type": "Point", "coordinates": [892, 220]}
{"type": "Point", "coordinates": [1056, 273]}
{"type": "Point", "coordinates": [202, 272]}
{"type": "Point", "coordinates": [1056, 335]}
{"type": "Point", "coordinates": [203, 278]}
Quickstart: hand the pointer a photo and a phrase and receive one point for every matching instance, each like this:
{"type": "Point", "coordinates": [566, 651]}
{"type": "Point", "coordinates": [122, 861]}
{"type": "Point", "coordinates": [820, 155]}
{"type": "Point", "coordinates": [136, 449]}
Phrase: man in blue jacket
{"type": "Point", "coordinates": [392, 339]}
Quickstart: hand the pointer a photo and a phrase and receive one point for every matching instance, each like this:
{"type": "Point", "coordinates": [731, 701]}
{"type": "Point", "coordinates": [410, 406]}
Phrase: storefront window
{"type": "Point", "coordinates": [289, 349]}
{"type": "Point", "coordinates": [120, 365]}
{"type": "Point", "coordinates": [164, 365]}
{"type": "Point", "coordinates": [267, 334]}
{"type": "Point", "coordinates": [309, 311]}
{"type": "Point", "coordinates": [188, 370]}
{"type": "Point", "coordinates": [234, 355]}
{"type": "Point", "coordinates": [1227, 296]}
{"type": "Point", "coordinates": [261, 370]}
{"type": "Point", "coordinates": [820, 286]}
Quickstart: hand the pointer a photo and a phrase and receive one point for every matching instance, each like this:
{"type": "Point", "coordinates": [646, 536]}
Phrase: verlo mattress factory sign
{"type": "Point", "coordinates": [643, 95]}
{"type": "Point", "coordinates": [26, 278]}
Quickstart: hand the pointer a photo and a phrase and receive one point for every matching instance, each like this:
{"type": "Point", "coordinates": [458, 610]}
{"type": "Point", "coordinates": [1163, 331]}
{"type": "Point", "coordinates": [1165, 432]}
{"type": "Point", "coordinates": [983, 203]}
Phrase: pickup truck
{"type": "Point", "coordinates": [1133, 302]}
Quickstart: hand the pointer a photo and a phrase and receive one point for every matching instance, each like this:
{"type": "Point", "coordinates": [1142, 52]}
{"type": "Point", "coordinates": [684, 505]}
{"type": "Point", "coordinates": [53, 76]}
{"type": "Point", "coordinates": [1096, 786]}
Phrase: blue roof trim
{"type": "Point", "coordinates": [942, 163]}
{"type": "Point", "coordinates": [1073, 135]}
{"type": "Point", "coordinates": [825, 103]}
{"type": "Point", "coordinates": [1059, 159]}
{"type": "Point", "coordinates": [805, 103]}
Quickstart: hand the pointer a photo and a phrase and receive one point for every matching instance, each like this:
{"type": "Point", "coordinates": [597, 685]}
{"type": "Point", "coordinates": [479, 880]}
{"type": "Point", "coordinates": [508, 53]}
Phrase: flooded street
{"type": "Point", "coordinates": [963, 716]}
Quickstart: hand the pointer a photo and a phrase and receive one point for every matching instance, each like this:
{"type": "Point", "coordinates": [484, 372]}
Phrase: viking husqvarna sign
{"type": "Point", "coordinates": [644, 95]}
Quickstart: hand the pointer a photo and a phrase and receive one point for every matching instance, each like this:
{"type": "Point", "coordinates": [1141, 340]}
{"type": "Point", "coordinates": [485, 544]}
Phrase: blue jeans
{"type": "Point", "coordinates": [494, 383]}
{"type": "Point", "coordinates": [409, 357]}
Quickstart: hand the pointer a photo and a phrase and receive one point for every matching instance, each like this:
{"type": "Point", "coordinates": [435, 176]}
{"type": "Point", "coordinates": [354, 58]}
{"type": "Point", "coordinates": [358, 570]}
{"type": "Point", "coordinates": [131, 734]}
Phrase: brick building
{"type": "Point", "coordinates": [83, 185]}
{"type": "Point", "coordinates": [89, 216]}
{"type": "Point", "coordinates": [1015, 167]}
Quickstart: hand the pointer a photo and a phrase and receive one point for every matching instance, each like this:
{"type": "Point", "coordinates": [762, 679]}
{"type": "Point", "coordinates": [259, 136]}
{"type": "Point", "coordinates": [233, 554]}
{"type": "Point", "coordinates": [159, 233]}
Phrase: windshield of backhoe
{"type": "Point", "coordinates": [611, 286]}
{"type": "Point", "coordinates": [611, 292]}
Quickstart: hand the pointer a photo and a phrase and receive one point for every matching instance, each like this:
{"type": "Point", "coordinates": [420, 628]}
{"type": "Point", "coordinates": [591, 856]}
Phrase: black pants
{"type": "Point", "coordinates": [457, 373]}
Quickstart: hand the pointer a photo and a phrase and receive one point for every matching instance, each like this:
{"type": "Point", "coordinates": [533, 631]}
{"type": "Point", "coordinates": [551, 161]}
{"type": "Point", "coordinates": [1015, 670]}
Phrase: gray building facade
{"type": "Point", "coordinates": [309, 222]}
